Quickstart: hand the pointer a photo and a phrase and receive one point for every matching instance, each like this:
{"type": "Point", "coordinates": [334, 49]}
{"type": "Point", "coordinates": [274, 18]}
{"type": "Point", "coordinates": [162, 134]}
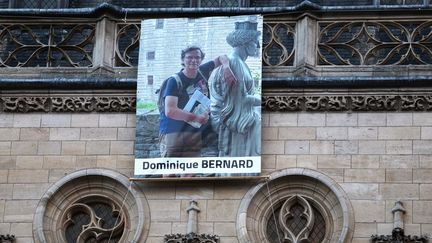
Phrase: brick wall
{"type": "Point", "coordinates": [376, 157]}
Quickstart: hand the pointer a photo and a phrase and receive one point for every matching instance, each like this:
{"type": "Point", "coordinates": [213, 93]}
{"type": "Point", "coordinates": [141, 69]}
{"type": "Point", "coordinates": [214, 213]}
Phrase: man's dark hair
{"type": "Point", "coordinates": [191, 48]}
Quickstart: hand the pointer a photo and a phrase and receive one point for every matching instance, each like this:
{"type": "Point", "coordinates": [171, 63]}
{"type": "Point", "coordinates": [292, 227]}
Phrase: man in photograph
{"type": "Point", "coordinates": [181, 130]}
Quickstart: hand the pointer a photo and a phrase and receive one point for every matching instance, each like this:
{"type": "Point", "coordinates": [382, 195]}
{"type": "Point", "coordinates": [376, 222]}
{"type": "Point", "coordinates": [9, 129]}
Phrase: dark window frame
{"type": "Point", "coordinates": [197, 3]}
{"type": "Point", "coordinates": [150, 79]}
{"type": "Point", "coordinates": [160, 24]}
{"type": "Point", "coordinates": [150, 55]}
{"type": "Point", "coordinates": [60, 3]}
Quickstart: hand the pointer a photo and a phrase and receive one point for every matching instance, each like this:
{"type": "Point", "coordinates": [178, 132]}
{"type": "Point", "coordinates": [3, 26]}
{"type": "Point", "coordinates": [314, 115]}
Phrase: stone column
{"type": "Point", "coordinates": [306, 41]}
{"type": "Point", "coordinates": [398, 211]}
{"type": "Point", "coordinates": [103, 53]}
{"type": "Point", "coordinates": [192, 225]}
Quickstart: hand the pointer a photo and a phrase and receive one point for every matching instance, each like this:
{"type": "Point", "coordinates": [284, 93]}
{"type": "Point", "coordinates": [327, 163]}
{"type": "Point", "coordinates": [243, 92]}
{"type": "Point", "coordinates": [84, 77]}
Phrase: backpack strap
{"type": "Point", "coordinates": [161, 100]}
{"type": "Point", "coordinates": [178, 80]}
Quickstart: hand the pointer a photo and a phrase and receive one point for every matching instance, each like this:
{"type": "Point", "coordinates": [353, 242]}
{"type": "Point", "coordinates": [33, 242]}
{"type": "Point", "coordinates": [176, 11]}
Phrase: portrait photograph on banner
{"type": "Point", "coordinates": [198, 109]}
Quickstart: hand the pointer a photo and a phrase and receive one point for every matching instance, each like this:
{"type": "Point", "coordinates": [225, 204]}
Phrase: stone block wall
{"type": "Point", "coordinates": [377, 158]}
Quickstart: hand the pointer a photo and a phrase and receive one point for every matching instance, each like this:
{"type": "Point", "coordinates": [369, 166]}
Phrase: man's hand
{"type": "Point", "coordinates": [203, 118]}
{"type": "Point", "coordinates": [229, 76]}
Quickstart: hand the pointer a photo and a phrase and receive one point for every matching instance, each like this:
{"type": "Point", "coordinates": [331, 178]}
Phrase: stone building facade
{"type": "Point", "coordinates": [347, 128]}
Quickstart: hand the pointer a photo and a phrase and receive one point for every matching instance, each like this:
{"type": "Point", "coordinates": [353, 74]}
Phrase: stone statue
{"type": "Point", "coordinates": [235, 110]}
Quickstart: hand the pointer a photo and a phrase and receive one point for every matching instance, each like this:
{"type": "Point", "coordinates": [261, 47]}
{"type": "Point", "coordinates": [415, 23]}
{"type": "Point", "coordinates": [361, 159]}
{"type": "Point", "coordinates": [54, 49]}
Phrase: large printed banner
{"type": "Point", "coordinates": [199, 97]}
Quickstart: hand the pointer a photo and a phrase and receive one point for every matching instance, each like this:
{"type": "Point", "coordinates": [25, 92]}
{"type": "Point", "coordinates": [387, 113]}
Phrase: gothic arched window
{"type": "Point", "coordinates": [296, 206]}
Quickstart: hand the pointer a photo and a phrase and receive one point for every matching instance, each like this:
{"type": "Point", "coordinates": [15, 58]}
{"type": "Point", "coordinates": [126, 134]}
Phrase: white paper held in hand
{"type": "Point", "coordinates": [202, 106]}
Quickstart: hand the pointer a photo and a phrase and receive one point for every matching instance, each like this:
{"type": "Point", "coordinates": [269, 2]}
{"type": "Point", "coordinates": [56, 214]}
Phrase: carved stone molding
{"type": "Point", "coordinates": [68, 103]}
{"type": "Point", "coordinates": [192, 237]}
{"type": "Point", "coordinates": [7, 238]}
{"type": "Point", "coordinates": [358, 102]}
{"type": "Point", "coordinates": [125, 101]}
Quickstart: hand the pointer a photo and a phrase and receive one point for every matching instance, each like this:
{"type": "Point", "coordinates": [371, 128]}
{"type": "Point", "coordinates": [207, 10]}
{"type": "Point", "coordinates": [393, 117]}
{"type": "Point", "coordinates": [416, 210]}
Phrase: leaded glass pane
{"type": "Point", "coordinates": [37, 4]}
{"type": "Point", "coordinates": [107, 218]}
{"type": "Point", "coordinates": [219, 3]}
{"type": "Point", "coordinates": [296, 223]}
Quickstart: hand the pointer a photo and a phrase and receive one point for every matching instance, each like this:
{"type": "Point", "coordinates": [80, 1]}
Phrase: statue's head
{"type": "Point", "coordinates": [245, 35]}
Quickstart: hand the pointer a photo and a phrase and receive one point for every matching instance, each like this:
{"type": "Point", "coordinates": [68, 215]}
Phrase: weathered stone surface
{"type": "Point", "coordinates": [64, 134]}
{"type": "Point", "coordinates": [56, 120]}
{"type": "Point", "coordinates": [372, 119]}
{"type": "Point", "coordinates": [332, 133]}
{"type": "Point", "coordinates": [296, 147]}
{"type": "Point", "coordinates": [362, 133]}
{"type": "Point", "coordinates": [112, 120]}
{"type": "Point", "coordinates": [369, 211]}
{"type": "Point", "coordinates": [371, 147]}
{"type": "Point", "coordinates": [286, 161]}
{"type": "Point", "coordinates": [398, 191]}
{"type": "Point", "coordinates": [311, 119]}
{"type": "Point", "coordinates": [399, 133]}
{"type": "Point", "coordinates": [334, 161]}
{"type": "Point", "coordinates": [322, 147]}
{"type": "Point", "coordinates": [98, 134]}
{"type": "Point", "coordinates": [365, 229]}
{"type": "Point", "coordinates": [273, 147]}
{"type": "Point", "coordinates": [27, 120]}
{"type": "Point", "coordinates": [399, 119]}
{"type": "Point", "coordinates": [421, 212]}
{"type": "Point", "coordinates": [364, 175]}
{"type": "Point", "coordinates": [34, 133]}
{"type": "Point", "coordinates": [28, 176]}
{"type": "Point", "coordinates": [294, 133]}
{"type": "Point", "coordinates": [85, 120]}
{"type": "Point", "coordinates": [368, 191]}
{"type": "Point", "coordinates": [19, 210]}
{"type": "Point", "coordinates": [165, 210]}
{"type": "Point", "coordinates": [365, 161]}
{"type": "Point", "coordinates": [399, 175]}
{"type": "Point", "coordinates": [282, 119]}
{"type": "Point", "coordinates": [341, 119]}
{"type": "Point", "coordinates": [229, 207]}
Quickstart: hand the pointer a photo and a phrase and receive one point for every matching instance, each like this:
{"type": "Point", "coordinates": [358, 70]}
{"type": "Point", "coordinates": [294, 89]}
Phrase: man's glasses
{"type": "Point", "coordinates": [193, 57]}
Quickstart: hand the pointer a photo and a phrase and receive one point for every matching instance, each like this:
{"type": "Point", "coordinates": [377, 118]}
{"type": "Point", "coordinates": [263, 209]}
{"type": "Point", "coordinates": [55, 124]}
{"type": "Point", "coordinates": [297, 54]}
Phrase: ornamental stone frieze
{"type": "Point", "coordinates": [358, 102]}
{"type": "Point", "coordinates": [123, 101]}
{"type": "Point", "coordinates": [120, 102]}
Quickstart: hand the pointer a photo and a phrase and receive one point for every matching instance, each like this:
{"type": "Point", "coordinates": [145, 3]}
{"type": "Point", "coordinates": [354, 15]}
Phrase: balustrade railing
{"type": "Point", "coordinates": [327, 45]}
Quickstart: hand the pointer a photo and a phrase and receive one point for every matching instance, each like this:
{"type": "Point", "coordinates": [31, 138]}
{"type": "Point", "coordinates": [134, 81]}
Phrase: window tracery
{"type": "Point", "coordinates": [89, 206]}
{"type": "Point", "coordinates": [94, 222]}
{"type": "Point", "coordinates": [296, 206]}
{"type": "Point", "coordinates": [297, 220]}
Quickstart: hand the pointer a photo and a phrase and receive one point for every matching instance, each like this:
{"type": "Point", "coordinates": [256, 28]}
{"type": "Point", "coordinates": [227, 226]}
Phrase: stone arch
{"type": "Point", "coordinates": [321, 191]}
{"type": "Point", "coordinates": [90, 185]}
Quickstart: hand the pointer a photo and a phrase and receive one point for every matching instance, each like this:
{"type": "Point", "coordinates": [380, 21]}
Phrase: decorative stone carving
{"type": "Point", "coordinates": [191, 235]}
{"type": "Point", "coordinates": [127, 45]}
{"type": "Point", "coordinates": [278, 43]}
{"type": "Point", "coordinates": [7, 238]}
{"type": "Point", "coordinates": [398, 234]}
{"type": "Point", "coordinates": [296, 233]}
{"type": "Point", "coordinates": [375, 43]}
{"type": "Point", "coordinates": [68, 104]}
{"type": "Point", "coordinates": [348, 103]}
{"type": "Point", "coordinates": [92, 205]}
{"type": "Point", "coordinates": [46, 45]}
{"type": "Point", "coordinates": [295, 205]}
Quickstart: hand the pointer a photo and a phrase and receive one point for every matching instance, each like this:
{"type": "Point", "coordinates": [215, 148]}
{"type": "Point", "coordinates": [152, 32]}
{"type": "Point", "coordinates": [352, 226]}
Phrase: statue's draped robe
{"type": "Point", "coordinates": [235, 111]}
